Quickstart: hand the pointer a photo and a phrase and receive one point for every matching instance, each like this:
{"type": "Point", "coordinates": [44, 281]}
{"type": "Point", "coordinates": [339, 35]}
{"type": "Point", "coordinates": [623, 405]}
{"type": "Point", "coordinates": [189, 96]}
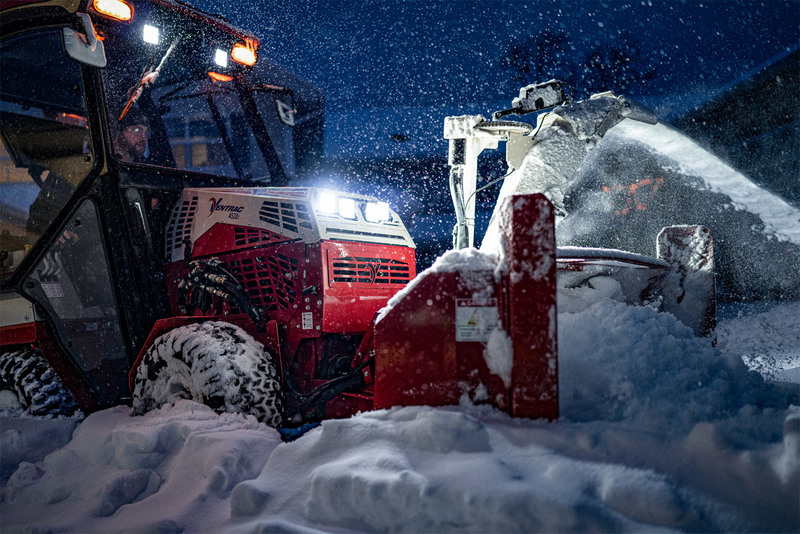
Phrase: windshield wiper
{"type": "Point", "coordinates": [149, 77]}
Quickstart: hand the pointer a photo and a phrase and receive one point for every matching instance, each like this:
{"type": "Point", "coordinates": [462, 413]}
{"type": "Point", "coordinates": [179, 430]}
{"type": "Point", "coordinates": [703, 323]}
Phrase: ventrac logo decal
{"type": "Point", "coordinates": [372, 272]}
{"type": "Point", "coordinates": [232, 211]}
{"type": "Point", "coordinates": [367, 271]}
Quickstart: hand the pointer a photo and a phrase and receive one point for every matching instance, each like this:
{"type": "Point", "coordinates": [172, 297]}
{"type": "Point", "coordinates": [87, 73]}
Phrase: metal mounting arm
{"type": "Point", "coordinates": [470, 135]}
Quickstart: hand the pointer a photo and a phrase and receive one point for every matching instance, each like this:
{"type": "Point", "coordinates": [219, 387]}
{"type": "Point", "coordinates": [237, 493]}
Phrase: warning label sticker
{"type": "Point", "coordinates": [308, 321]}
{"type": "Point", "coordinates": [475, 319]}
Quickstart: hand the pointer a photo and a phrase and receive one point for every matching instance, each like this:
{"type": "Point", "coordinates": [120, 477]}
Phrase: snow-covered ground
{"type": "Point", "coordinates": [658, 432]}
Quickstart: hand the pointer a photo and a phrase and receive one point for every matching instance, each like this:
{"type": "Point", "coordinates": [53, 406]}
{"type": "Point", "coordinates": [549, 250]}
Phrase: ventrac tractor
{"type": "Point", "coordinates": [152, 247]}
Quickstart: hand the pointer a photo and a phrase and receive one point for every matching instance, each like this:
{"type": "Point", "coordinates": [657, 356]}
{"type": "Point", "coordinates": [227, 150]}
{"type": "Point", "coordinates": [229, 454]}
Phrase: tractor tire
{"type": "Point", "coordinates": [213, 363]}
{"type": "Point", "coordinates": [38, 389]}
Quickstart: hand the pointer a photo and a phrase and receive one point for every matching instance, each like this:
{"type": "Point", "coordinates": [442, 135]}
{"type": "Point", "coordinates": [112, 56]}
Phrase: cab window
{"type": "Point", "coordinates": [171, 104]}
{"type": "Point", "coordinates": [46, 147]}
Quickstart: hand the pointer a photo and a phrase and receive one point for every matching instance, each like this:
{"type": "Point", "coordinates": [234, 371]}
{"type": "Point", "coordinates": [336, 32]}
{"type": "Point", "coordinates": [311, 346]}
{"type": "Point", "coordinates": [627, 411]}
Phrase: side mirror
{"type": "Point", "coordinates": [87, 49]}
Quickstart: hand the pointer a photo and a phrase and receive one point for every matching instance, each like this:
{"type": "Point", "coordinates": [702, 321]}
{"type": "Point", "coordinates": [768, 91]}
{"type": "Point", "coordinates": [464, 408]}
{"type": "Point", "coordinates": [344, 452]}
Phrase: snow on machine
{"type": "Point", "coordinates": [679, 280]}
{"type": "Point", "coordinates": [152, 248]}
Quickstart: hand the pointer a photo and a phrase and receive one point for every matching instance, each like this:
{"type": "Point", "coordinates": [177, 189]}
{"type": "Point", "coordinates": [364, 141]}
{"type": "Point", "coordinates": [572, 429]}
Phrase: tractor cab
{"type": "Point", "coordinates": [108, 110]}
{"type": "Point", "coordinates": [133, 87]}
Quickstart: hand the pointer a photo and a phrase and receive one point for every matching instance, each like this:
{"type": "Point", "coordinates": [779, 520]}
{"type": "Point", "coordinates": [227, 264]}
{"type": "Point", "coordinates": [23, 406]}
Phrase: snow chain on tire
{"type": "Point", "coordinates": [38, 388]}
{"type": "Point", "coordinates": [214, 363]}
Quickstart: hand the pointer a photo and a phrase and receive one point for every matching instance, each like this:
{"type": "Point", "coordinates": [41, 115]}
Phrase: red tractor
{"type": "Point", "coordinates": [151, 249]}
{"type": "Point", "coordinates": [146, 150]}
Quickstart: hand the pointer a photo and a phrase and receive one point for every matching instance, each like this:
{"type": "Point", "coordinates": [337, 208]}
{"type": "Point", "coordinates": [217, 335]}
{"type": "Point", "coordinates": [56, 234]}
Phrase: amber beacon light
{"type": "Point", "coordinates": [244, 54]}
{"type": "Point", "coordinates": [114, 9]}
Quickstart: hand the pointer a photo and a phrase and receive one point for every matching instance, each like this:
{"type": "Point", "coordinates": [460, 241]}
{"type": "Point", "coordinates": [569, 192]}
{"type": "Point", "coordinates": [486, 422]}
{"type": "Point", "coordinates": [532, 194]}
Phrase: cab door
{"type": "Point", "coordinates": [52, 228]}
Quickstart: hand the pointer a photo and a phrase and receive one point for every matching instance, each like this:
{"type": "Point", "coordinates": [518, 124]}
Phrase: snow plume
{"type": "Point", "coordinates": [780, 218]}
{"type": "Point", "coordinates": [617, 187]}
{"type": "Point", "coordinates": [641, 178]}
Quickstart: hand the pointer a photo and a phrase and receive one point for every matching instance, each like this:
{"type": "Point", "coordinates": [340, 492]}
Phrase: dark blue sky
{"type": "Point", "coordinates": [380, 53]}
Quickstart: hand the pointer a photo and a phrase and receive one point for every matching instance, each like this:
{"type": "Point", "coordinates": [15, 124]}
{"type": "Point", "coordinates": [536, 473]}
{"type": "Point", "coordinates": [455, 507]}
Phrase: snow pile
{"type": "Point", "coordinates": [768, 342]}
{"type": "Point", "coordinates": [427, 470]}
{"type": "Point", "coordinates": [658, 430]}
{"type": "Point", "coordinates": [632, 363]}
{"type": "Point", "coordinates": [30, 440]}
{"type": "Point", "coordinates": [163, 472]}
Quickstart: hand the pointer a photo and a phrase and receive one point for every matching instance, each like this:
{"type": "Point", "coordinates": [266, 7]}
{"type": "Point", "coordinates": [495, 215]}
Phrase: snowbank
{"type": "Point", "coordinates": [659, 432]}
{"type": "Point", "coordinates": [167, 471]}
{"type": "Point", "coordinates": [768, 341]}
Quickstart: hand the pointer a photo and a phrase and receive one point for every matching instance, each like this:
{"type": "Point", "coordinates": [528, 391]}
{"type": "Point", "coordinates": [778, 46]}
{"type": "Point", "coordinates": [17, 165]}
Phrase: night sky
{"type": "Point", "coordinates": [380, 53]}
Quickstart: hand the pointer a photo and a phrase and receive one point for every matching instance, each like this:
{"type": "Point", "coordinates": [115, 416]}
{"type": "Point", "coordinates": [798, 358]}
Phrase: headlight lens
{"type": "Point", "coordinates": [221, 57]}
{"type": "Point", "coordinates": [150, 34]}
{"type": "Point", "coordinates": [377, 212]}
{"type": "Point", "coordinates": [327, 202]}
{"type": "Point", "coordinates": [347, 208]}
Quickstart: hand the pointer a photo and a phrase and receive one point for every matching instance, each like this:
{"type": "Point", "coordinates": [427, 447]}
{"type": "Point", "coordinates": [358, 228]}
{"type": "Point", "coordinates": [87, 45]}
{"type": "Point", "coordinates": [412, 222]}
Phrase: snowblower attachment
{"type": "Point", "coordinates": [679, 281]}
{"type": "Point", "coordinates": [477, 329]}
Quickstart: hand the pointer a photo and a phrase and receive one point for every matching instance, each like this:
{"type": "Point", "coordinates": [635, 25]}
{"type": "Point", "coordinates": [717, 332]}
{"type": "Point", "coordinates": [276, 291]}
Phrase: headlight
{"type": "Point", "coordinates": [115, 9]}
{"type": "Point", "coordinates": [150, 34]}
{"type": "Point", "coordinates": [221, 57]}
{"type": "Point", "coordinates": [330, 203]}
{"type": "Point", "coordinates": [245, 53]}
{"type": "Point", "coordinates": [377, 212]}
{"type": "Point", "coordinates": [327, 202]}
{"type": "Point", "coordinates": [347, 208]}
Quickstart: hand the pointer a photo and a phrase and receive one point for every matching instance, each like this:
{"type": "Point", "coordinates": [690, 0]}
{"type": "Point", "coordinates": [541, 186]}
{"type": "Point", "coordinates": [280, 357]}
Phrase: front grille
{"type": "Point", "coordinates": [369, 271]}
